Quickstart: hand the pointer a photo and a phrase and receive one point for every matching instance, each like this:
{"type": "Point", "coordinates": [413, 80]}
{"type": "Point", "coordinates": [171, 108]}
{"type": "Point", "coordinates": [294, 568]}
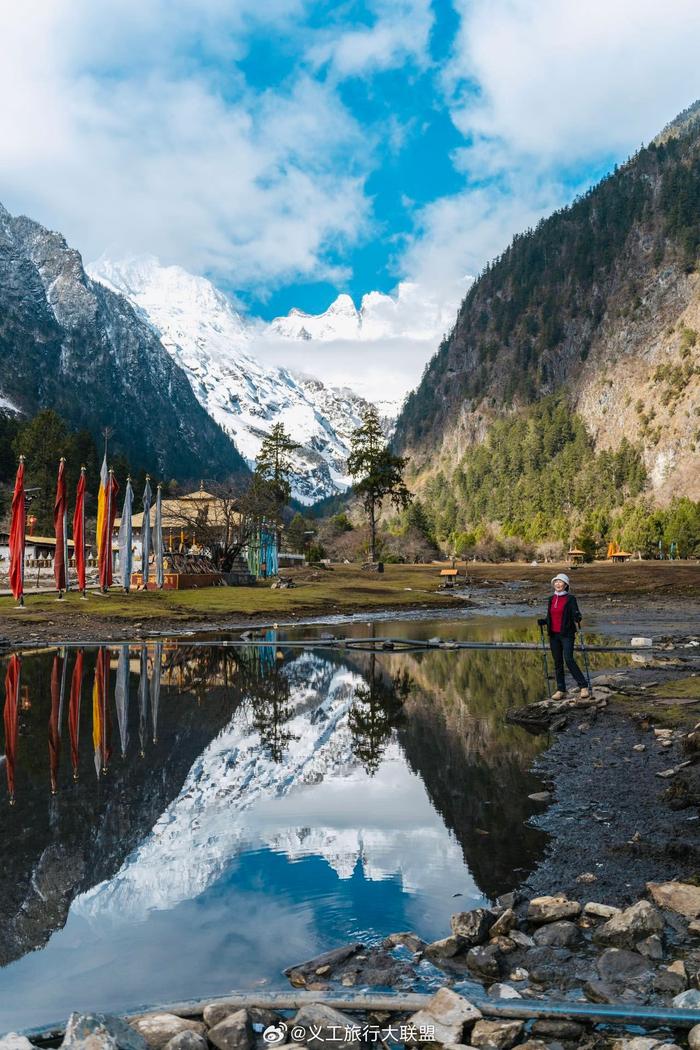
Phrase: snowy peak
{"type": "Point", "coordinates": [201, 330]}
{"type": "Point", "coordinates": [340, 321]}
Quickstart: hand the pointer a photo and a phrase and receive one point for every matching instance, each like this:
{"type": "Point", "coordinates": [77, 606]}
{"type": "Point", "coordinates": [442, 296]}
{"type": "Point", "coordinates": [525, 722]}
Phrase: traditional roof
{"type": "Point", "coordinates": [183, 512]}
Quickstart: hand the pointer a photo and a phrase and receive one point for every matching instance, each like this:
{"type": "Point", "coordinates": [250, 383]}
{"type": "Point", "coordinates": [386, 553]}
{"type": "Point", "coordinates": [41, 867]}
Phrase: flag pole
{"type": "Point", "coordinates": [65, 541]}
{"type": "Point", "coordinates": [83, 472]}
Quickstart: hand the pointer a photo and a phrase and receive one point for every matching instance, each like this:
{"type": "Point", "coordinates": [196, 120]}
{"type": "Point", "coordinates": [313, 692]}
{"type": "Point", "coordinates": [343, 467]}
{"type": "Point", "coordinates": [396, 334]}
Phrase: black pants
{"type": "Point", "coordinates": [562, 646]}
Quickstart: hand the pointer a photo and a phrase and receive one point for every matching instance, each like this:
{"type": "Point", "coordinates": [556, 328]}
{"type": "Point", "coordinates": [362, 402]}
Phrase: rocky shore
{"type": "Point", "coordinates": [527, 973]}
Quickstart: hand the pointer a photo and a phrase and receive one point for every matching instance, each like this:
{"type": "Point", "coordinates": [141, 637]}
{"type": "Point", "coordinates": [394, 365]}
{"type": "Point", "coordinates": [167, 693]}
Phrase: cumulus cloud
{"type": "Point", "coordinates": [130, 147]}
{"type": "Point", "coordinates": [544, 92]}
{"type": "Point", "coordinates": [399, 32]}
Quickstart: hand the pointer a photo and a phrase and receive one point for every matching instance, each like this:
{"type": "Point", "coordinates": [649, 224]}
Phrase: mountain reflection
{"type": "Point", "coordinates": [138, 772]}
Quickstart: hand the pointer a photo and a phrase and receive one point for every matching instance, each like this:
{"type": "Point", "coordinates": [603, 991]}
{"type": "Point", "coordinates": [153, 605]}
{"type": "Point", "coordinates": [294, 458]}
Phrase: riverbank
{"type": "Point", "coordinates": [543, 973]}
{"type": "Point", "coordinates": [633, 598]}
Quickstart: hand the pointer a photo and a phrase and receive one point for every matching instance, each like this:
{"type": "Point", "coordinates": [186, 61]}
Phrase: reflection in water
{"type": "Point", "coordinates": [252, 806]}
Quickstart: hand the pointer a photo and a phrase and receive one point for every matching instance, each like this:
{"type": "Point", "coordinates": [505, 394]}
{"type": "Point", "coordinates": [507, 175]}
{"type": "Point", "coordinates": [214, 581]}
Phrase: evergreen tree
{"type": "Point", "coordinates": [296, 533]}
{"type": "Point", "coordinates": [378, 473]}
{"type": "Point", "coordinates": [274, 472]}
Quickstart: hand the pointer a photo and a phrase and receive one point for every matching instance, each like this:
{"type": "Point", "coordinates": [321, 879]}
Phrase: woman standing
{"type": "Point", "coordinates": [563, 620]}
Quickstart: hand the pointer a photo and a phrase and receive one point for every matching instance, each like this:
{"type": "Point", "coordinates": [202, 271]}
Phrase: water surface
{"type": "Point", "coordinates": [191, 819]}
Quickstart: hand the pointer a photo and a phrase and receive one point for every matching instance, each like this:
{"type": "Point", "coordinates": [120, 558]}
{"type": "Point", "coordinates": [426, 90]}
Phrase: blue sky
{"type": "Point", "coordinates": [295, 149]}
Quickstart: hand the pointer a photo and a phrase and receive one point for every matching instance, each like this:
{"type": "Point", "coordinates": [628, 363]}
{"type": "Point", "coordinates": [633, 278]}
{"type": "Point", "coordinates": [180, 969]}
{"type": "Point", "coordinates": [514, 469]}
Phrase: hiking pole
{"type": "Point", "coordinates": [541, 624]}
{"type": "Point", "coordinates": [584, 650]}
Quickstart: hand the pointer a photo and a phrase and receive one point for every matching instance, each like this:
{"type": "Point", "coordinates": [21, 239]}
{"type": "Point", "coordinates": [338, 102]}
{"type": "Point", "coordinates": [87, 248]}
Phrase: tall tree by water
{"type": "Point", "coordinates": [377, 472]}
{"type": "Point", "coordinates": [274, 470]}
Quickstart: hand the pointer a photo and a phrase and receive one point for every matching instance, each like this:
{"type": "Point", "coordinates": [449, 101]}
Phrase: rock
{"type": "Point", "coordinates": [518, 974]}
{"type": "Point", "coordinates": [485, 960]}
{"type": "Point", "coordinates": [101, 1032]}
{"type": "Point", "coordinates": [523, 940]}
{"type": "Point", "coordinates": [503, 991]}
{"type": "Point", "coordinates": [301, 972]}
{"type": "Point", "coordinates": [694, 927]}
{"type": "Point", "coordinates": [600, 991]}
{"type": "Point", "coordinates": [545, 964]}
{"type": "Point", "coordinates": [629, 926]}
{"type": "Point", "coordinates": [447, 1013]}
{"type": "Point", "coordinates": [444, 949]}
{"type": "Point", "coordinates": [13, 1041]}
{"type": "Point", "coordinates": [216, 1011]}
{"type": "Point", "coordinates": [558, 935]}
{"type": "Point", "coordinates": [235, 1032]}
{"type": "Point", "coordinates": [552, 909]}
{"type": "Point", "coordinates": [187, 1040]}
{"type": "Point", "coordinates": [587, 877]}
{"type": "Point", "coordinates": [601, 911]}
{"type": "Point", "coordinates": [508, 900]}
{"type": "Point", "coordinates": [504, 944]}
{"type": "Point", "coordinates": [533, 1044]}
{"type": "Point", "coordinates": [689, 1000]}
{"type": "Point", "coordinates": [159, 1028]}
{"type": "Point", "coordinates": [640, 1042]}
{"type": "Point", "coordinates": [639, 747]}
{"type": "Point", "coordinates": [406, 940]}
{"type": "Point", "coordinates": [618, 964]}
{"type": "Point", "coordinates": [641, 642]}
{"type": "Point", "coordinates": [503, 924]}
{"type": "Point", "coordinates": [652, 947]}
{"type": "Point", "coordinates": [670, 982]}
{"type": "Point", "coordinates": [540, 796]}
{"type": "Point", "coordinates": [496, 1035]}
{"type": "Point", "coordinates": [324, 1023]}
{"type": "Point", "coordinates": [472, 927]}
{"type": "Point", "coordinates": [680, 897]}
{"type": "Point", "coordinates": [555, 1029]}
{"type": "Point", "coordinates": [694, 1037]}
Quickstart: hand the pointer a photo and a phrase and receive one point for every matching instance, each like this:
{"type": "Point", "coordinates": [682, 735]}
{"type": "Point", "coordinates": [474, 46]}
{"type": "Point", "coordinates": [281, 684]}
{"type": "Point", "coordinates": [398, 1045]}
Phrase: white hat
{"type": "Point", "coordinates": [561, 576]}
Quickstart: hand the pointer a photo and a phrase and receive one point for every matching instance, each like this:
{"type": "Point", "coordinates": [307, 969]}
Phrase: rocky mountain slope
{"type": "Point", "coordinates": [600, 302]}
{"type": "Point", "coordinates": [68, 343]}
{"type": "Point", "coordinates": [214, 346]}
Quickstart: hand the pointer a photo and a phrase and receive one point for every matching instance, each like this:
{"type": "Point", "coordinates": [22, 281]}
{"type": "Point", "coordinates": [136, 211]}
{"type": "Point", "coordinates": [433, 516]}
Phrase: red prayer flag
{"type": "Point", "coordinates": [11, 718]}
{"type": "Point", "coordinates": [59, 525]}
{"type": "Point", "coordinates": [107, 528]}
{"type": "Point", "coordinates": [54, 727]}
{"type": "Point", "coordinates": [79, 530]}
{"type": "Point", "coordinates": [17, 530]}
{"type": "Point", "coordinates": [76, 695]}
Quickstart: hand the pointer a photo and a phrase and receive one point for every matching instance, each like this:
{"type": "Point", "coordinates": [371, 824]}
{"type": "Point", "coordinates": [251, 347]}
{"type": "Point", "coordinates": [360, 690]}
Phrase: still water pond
{"type": "Point", "coordinates": [190, 819]}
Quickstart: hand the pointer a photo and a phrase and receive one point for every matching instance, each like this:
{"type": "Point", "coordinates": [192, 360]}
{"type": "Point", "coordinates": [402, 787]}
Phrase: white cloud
{"type": "Point", "coordinates": [542, 92]}
{"type": "Point", "coordinates": [400, 32]}
{"type": "Point", "coordinates": [562, 81]}
{"type": "Point", "coordinates": [127, 147]}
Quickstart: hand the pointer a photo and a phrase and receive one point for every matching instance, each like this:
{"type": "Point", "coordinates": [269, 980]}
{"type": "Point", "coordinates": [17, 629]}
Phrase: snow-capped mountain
{"type": "Point", "coordinates": [318, 801]}
{"type": "Point", "coordinates": [211, 342]}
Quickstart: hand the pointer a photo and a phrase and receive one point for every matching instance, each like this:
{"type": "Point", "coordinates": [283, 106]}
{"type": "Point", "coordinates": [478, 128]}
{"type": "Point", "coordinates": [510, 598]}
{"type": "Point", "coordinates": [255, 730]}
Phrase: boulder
{"type": "Point", "coordinates": [187, 1040]}
{"type": "Point", "coordinates": [629, 926]}
{"type": "Point", "coordinates": [485, 961]}
{"type": "Point", "coordinates": [680, 897]}
{"type": "Point", "coordinates": [523, 940]}
{"type": "Point", "coordinates": [406, 940]}
{"type": "Point", "coordinates": [101, 1032]}
{"type": "Point", "coordinates": [652, 947]}
{"type": "Point", "coordinates": [601, 911]}
{"type": "Point", "coordinates": [689, 1000]}
{"type": "Point", "coordinates": [446, 1014]}
{"type": "Point", "coordinates": [546, 965]}
{"type": "Point", "coordinates": [443, 949]}
{"type": "Point", "coordinates": [555, 1029]}
{"type": "Point", "coordinates": [694, 1037]}
{"type": "Point", "coordinates": [325, 1025]}
{"type": "Point", "coordinates": [505, 922]}
{"type": "Point", "coordinates": [496, 1035]}
{"type": "Point", "coordinates": [13, 1041]}
{"type": "Point", "coordinates": [159, 1028]}
{"type": "Point", "coordinates": [618, 964]}
{"type": "Point", "coordinates": [552, 909]}
{"type": "Point", "coordinates": [640, 1042]}
{"type": "Point", "coordinates": [472, 927]}
{"type": "Point", "coordinates": [216, 1011]}
{"type": "Point", "coordinates": [670, 982]}
{"type": "Point", "coordinates": [503, 991]}
{"type": "Point", "coordinates": [561, 934]}
{"type": "Point", "coordinates": [302, 972]}
{"type": "Point", "coordinates": [600, 991]}
{"type": "Point", "coordinates": [235, 1032]}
